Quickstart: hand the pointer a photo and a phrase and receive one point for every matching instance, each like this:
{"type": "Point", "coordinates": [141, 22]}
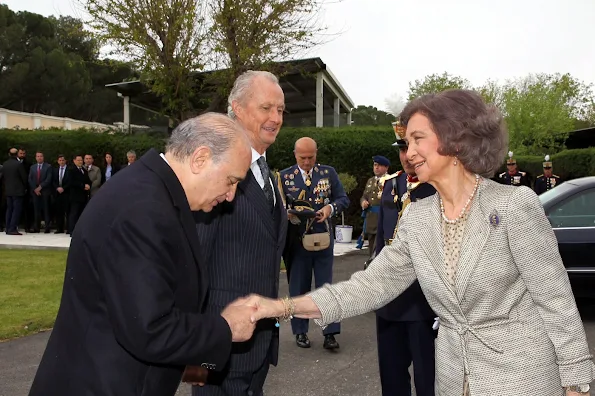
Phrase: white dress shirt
{"type": "Point", "coordinates": [258, 174]}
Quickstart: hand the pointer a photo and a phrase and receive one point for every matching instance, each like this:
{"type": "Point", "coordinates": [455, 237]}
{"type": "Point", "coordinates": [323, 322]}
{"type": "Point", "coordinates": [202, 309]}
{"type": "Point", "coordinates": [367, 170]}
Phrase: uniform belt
{"type": "Point", "coordinates": [374, 209]}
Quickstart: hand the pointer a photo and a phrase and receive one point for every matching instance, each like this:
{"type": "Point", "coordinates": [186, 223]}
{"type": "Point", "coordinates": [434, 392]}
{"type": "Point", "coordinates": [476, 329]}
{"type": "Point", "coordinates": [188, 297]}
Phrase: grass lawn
{"type": "Point", "coordinates": [30, 290]}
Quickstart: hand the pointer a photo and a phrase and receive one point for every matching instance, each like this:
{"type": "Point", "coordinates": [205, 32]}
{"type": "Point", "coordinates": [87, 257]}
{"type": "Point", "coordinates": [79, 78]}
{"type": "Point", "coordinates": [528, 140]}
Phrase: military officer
{"type": "Point", "coordinates": [404, 327]}
{"type": "Point", "coordinates": [370, 201]}
{"type": "Point", "coordinates": [311, 247]}
{"type": "Point", "coordinates": [547, 180]}
{"type": "Point", "coordinates": [513, 176]}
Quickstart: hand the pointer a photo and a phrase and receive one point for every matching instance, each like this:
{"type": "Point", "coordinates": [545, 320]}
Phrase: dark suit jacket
{"type": "Point", "coordinates": [136, 280]}
{"type": "Point", "coordinates": [115, 169]}
{"type": "Point", "coordinates": [45, 180]}
{"type": "Point", "coordinates": [75, 184]}
{"type": "Point", "coordinates": [245, 241]}
{"type": "Point", "coordinates": [15, 178]}
{"type": "Point", "coordinates": [412, 304]}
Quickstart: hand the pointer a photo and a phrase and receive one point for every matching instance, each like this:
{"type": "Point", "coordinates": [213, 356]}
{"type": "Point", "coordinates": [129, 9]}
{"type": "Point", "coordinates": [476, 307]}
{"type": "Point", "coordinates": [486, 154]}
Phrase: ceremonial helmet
{"type": "Point", "coordinates": [547, 164]}
{"type": "Point", "coordinates": [399, 134]}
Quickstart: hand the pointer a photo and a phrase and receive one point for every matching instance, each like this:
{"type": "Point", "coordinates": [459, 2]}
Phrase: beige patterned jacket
{"type": "Point", "coordinates": [512, 323]}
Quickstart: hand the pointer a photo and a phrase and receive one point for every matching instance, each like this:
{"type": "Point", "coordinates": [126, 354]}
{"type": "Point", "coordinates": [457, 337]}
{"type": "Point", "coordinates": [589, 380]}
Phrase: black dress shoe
{"type": "Point", "coordinates": [302, 341]}
{"type": "Point", "coordinates": [47, 231]}
{"type": "Point", "coordinates": [330, 342]}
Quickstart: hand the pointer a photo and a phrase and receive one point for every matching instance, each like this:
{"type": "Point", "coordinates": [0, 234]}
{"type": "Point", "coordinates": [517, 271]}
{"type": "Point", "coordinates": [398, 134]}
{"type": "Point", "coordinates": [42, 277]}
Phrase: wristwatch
{"type": "Point", "coordinates": [582, 388]}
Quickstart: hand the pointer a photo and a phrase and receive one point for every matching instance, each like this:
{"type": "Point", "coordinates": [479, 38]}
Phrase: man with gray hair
{"type": "Point", "coordinates": [131, 157]}
{"type": "Point", "coordinates": [245, 239]}
{"type": "Point", "coordinates": [131, 315]}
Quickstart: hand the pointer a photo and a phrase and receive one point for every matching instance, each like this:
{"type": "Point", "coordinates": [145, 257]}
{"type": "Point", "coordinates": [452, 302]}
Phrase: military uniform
{"type": "Point", "coordinates": [372, 193]}
{"type": "Point", "coordinates": [321, 188]}
{"type": "Point", "coordinates": [517, 178]}
{"type": "Point", "coordinates": [544, 183]}
{"type": "Point", "coordinates": [404, 326]}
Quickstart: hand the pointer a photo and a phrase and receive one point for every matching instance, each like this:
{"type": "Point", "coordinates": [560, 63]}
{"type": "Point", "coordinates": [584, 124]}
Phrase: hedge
{"type": "Point", "coordinates": [348, 150]}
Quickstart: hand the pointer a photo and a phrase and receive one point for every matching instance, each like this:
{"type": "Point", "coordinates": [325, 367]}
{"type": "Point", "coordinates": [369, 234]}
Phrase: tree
{"type": "Point", "coordinates": [169, 40]}
{"type": "Point", "coordinates": [37, 75]}
{"type": "Point", "coordinates": [541, 109]}
{"type": "Point", "coordinates": [371, 116]}
{"type": "Point", "coordinates": [252, 34]}
{"type": "Point", "coordinates": [164, 39]}
{"type": "Point", "coordinates": [435, 83]}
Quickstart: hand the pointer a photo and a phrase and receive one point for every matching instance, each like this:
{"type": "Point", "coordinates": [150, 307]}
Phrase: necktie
{"type": "Point", "coordinates": [38, 173]}
{"type": "Point", "coordinates": [61, 175]}
{"type": "Point", "coordinates": [268, 191]}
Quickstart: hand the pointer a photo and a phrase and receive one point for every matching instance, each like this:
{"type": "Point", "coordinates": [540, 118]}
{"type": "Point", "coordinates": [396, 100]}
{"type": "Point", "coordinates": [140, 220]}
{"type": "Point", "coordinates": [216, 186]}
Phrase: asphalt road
{"type": "Point", "coordinates": [352, 370]}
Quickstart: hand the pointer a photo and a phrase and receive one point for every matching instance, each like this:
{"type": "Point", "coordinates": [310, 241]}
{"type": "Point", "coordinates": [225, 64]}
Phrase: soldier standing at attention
{"type": "Point", "coordinates": [320, 187]}
{"type": "Point", "coordinates": [370, 201]}
{"type": "Point", "coordinates": [513, 177]}
{"type": "Point", "coordinates": [404, 330]}
{"type": "Point", "coordinates": [547, 180]}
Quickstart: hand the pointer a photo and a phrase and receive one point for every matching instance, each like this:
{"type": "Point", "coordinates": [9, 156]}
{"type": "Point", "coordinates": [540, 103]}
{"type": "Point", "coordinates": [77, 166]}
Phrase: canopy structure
{"type": "Point", "coordinates": [313, 95]}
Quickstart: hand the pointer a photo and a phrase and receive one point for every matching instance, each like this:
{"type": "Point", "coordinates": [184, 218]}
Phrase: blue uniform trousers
{"type": "Point", "coordinates": [300, 281]}
{"type": "Point", "coordinates": [399, 344]}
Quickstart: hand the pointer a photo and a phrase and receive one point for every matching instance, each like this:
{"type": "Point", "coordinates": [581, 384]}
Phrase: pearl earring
{"type": "Point", "coordinates": [455, 162]}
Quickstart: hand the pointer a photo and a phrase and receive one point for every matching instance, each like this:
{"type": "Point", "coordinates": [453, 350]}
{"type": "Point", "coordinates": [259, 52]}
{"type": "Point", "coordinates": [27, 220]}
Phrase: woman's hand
{"type": "Point", "coordinates": [264, 307]}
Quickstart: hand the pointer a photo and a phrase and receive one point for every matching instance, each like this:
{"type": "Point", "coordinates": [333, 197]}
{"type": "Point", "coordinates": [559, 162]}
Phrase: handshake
{"type": "Point", "coordinates": [242, 314]}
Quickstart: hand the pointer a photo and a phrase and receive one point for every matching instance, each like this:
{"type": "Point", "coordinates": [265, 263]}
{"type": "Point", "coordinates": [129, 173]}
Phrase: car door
{"type": "Point", "coordinates": [573, 221]}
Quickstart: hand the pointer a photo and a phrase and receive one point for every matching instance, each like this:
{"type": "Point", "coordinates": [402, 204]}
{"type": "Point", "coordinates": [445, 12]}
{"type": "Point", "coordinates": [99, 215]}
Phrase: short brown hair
{"type": "Point", "coordinates": [467, 128]}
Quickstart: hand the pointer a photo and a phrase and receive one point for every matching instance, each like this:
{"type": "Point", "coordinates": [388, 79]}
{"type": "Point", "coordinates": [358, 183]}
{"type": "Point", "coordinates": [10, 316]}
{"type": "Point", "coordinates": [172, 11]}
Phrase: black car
{"type": "Point", "coordinates": [570, 208]}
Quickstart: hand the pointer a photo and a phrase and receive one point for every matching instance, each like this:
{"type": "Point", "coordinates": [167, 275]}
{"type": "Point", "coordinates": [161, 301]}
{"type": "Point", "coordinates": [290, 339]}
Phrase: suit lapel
{"type": "Point", "coordinates": [429, 235]}
{"type": "Point", "coordinates": [475, 236]}
{"type": "Point", "coordinates": [298, 179]}
{"type": "Point", "coordinates": [153, 161]}
{"type": "Point", "coordinates": [256, 197]}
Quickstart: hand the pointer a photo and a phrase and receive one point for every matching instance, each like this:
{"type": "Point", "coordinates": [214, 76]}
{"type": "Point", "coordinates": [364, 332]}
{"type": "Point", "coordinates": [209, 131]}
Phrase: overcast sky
{"type": "Point", "coordinates": [387, 43]}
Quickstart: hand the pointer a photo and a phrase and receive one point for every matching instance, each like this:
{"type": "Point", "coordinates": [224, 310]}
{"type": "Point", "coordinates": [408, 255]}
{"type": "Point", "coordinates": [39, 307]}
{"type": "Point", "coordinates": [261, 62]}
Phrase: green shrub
{"type": "Point", "coordinates": [348, 182]}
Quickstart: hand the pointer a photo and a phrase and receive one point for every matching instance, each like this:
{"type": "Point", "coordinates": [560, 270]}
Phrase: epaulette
{"type": "Point", "coordinates": [502, 174]}
{"type": "Point", "coordinates": [286, 169]}
{"type": "Point", "coordinates": [539, 176]}
{"type": "Point", "coordinates": [522, 173]}
{"type": "Point", "coordinates": [556, 176]}
{"type": "Point", "coordinates": [388, 177]}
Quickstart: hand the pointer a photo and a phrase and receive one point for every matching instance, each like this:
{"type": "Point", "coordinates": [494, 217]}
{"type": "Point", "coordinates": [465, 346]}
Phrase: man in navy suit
{"type": "Point", "coordinates": [319, 185]}
{"type": "Point", "coordinates": [404, 326]}
{"type": "Point", "coordinates": [40, 185]}
{"type": "Point", "coordinates": [245, 239]}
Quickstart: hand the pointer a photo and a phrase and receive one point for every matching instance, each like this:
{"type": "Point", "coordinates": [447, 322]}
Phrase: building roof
{"type": "Point", "coordinates": [581, 138]}
{"type": "Point", "coordinates": [297, 79]}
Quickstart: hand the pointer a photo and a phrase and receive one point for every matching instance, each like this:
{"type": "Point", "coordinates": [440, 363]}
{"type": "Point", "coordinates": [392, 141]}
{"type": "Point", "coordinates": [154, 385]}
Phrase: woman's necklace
{"type": "Point", "coordinates": [464, 207]}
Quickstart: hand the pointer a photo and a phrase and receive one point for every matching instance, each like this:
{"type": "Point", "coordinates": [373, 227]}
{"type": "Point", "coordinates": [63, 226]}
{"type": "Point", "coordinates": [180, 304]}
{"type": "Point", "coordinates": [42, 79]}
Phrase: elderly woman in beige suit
{"type": "Point", "coordinates": [486, 259]}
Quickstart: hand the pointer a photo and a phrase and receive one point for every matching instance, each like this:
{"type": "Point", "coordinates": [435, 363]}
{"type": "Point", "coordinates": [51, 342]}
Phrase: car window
{"type": "Point", "coordinates": [575, 211]}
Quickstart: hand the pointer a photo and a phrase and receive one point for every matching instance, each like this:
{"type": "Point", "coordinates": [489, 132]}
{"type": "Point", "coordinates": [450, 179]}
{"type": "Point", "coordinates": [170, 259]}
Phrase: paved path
{"type": "Point", "coordinates": [62, 241]}
{"type": "Point", "coordinates": [352, 370]}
